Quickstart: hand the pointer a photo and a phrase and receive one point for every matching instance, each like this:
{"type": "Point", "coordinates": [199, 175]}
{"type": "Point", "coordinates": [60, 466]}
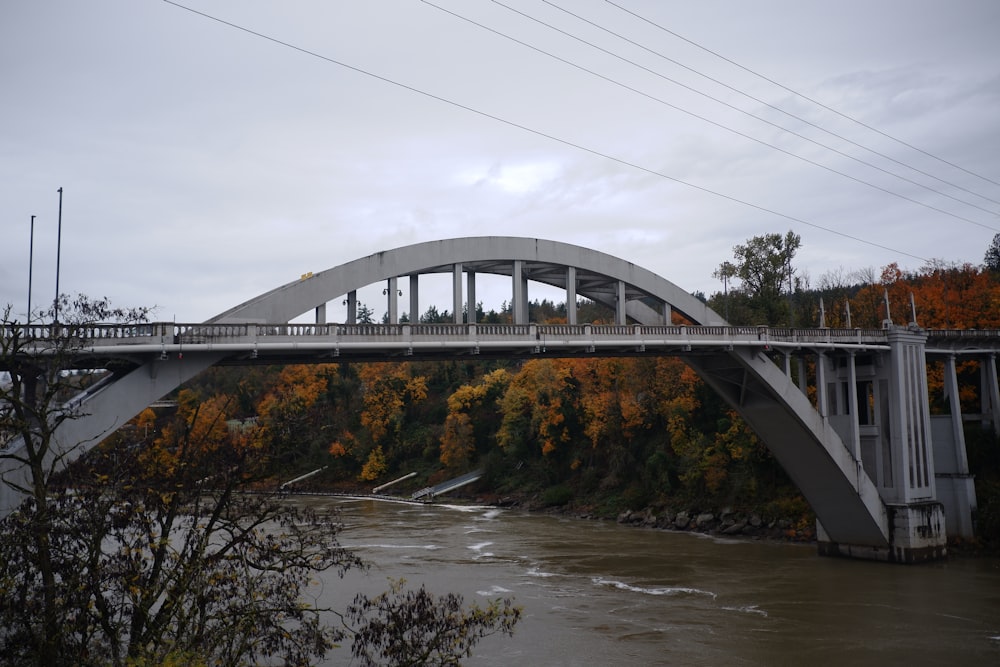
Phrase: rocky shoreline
{"type": "Point", "coordinates": [726, 522]}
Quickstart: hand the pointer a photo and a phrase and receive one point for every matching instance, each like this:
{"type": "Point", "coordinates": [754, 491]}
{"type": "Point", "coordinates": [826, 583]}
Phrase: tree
{"type": "Point", "coordinates": [726, 272]}
{"type": "Point", "coordinates": [389, 391]}
{"type": "Point", "coordinates": [401, 627]}
{"type": "Point", "coordinates": [365, 315]}
{"type": "Point", "coordinates": [150, 549]}
{"type": "Point", "coordinates": [992, 259]}
{"type": "Point", "coordinates": [535, 407]}
{"type": "Point", "coordinates": [764, 265]}
{"type": "Point", "coordinates": [296, 409]}
{"type": "Point", "coordinates": [472, 418]}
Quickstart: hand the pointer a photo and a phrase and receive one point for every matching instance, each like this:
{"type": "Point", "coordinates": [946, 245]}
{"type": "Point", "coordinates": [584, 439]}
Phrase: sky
{"type": "Point", "coordinates": [211, 150]}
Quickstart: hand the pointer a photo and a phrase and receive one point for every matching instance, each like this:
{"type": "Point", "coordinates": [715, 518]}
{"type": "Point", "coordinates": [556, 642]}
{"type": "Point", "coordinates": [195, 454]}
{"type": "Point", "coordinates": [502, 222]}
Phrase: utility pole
{"type": "Point", "coordinates": [31, 256]}
{"type": "Point", "coordinates": [58, 253]}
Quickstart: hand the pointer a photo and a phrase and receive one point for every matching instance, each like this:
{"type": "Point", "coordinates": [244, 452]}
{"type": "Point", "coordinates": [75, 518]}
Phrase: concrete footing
{"type": "Point", "coordinates": [917, 536]}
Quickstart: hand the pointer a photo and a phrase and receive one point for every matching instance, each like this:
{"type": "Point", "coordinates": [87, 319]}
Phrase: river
{"type": "Point", "coordinates": [596, 593]}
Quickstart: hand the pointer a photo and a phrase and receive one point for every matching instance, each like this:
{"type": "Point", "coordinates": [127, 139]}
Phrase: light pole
{"type": "Point", "coordinates": [58, 253]}
{"type": "Point", "coordinates": [31, 256]}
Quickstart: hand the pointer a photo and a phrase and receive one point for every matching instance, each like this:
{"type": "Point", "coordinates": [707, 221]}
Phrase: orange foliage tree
{"type": "Point", "coordinates": [294, 413]}
{"type": "Point", "coordinates": [469, 406]}
{"type": "Point", "coordinates": [535, 408]}
{"type": "Point", "coordinates": [388, 391]}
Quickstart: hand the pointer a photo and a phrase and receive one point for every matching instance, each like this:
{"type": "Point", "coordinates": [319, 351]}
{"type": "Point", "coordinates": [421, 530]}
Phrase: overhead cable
{"type": "Point", "coordinates": [722, 126]}
{"type": "Point", "coordinates": [774, 108]}
{"type": "Point", "coordinates": [539, 133]}
{"type": "Point", "coordinates": [802, 95]}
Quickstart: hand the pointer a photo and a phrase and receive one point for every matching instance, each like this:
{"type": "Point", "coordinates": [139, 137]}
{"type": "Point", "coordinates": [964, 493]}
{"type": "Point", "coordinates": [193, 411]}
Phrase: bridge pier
{"type": "Point", "coordinates": [878, 404]}
{"type": "Point", "coordinates": [916, 535]}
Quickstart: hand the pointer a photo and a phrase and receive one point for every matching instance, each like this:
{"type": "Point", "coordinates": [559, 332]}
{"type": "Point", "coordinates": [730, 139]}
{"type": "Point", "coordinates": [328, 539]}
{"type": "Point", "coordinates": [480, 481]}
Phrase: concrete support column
{"type": "Point", "coordinates": [954, 402]}
{"type": "Point", "coordinates": [788, 363]}
{"type": "Point", "coordinates": [470, 295]}
{"type": "Point", "coordinates": [321, 314]}
{"type": "Point", "coordinates": [414, 299]}
{"type": "Point", "coordinates": [909, 420]}
{"type": "Point", "coordinates": [955, 486]}
{"type": "Point", "coordinates": [352, 307]}
{"type": "Point", "coordinates": [668, 314]}
{"type": "Point", "coordinates": [571, 311]}
{"type": "Point", "coordinates": [519, 300]}
{"type": "Point", "coordinates": [456, 293]}
{"type": "Point", "coordinates": [803, 380]}
{"type": "Point", "coordinates": [620, 303]}
{"type": "Point", "coordinates": [852, 408]}
{"type": "Point", "coordinates": [990, 391]}
{"type": "Point", "coordinates": [822, 399]}
{"type": "Point", "coordinates": [392, 291]}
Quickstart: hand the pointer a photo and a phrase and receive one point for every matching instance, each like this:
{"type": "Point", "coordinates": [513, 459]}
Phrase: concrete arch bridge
{"type": "Point", "coordinates": [886, 481]}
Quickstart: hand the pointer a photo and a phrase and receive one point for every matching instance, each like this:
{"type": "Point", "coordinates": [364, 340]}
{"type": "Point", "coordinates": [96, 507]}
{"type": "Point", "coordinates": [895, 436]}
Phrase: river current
{"type": "Point", "coordinates": [596, 593]}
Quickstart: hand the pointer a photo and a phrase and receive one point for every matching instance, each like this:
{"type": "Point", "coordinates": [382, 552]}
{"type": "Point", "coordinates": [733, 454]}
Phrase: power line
{"type": "Point", "coordinates": [802, 95]}
{"type": "Point", "coordinates": [703, 118]}
{"type": "Point", "coordinates": [539, 133]}
{"type": "Point", "coordinates": [775, 108]}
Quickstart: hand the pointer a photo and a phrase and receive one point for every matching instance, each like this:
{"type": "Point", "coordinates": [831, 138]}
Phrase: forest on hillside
{"type": "Point", "coordinates": [599, 435]}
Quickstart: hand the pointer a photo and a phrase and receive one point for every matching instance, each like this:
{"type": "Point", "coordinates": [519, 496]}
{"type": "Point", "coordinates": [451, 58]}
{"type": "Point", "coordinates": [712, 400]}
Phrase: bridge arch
{"type": "Point", "coordinates": [630, 290]}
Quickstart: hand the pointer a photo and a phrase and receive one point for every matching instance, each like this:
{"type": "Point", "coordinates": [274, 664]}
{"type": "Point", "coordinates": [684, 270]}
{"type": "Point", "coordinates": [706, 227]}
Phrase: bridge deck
{"type": "Point", "coordinates": [286, 343]}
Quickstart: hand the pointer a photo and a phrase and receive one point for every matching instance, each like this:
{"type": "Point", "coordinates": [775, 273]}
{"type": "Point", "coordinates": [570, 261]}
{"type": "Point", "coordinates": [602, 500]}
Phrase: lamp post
{"type": "Point", "coordinates": [55, 318]}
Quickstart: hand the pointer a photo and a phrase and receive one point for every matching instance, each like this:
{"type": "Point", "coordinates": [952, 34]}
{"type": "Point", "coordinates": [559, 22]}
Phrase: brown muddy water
{"type": "Point", "coordinates": [596, 593]}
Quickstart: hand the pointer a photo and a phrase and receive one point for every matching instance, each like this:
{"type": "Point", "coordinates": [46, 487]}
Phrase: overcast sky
{"type": "Point", "coordinates": [203, 165]}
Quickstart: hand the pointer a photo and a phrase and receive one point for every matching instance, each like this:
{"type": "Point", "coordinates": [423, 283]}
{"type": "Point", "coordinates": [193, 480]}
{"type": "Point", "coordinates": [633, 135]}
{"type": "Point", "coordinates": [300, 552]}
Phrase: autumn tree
{"type": "Point", "coordinates": [536, 408]}
{"type": "Point", "coordinates": [389, 391]}
{"type": "Point", "coordinates": [302, 413]}
{"type": "Point", "coordinates": [472, 418]}
{"type": "Point", "coordinates": [614, 411]}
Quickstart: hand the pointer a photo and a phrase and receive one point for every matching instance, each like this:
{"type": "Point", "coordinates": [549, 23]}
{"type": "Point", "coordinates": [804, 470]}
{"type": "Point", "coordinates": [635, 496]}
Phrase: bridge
{"type": "Point", "coordinates": [887, 480]}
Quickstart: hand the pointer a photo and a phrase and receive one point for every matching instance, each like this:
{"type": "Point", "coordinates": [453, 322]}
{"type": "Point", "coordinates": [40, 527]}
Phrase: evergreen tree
{"type": "Point", "coordinates": [992, 259]}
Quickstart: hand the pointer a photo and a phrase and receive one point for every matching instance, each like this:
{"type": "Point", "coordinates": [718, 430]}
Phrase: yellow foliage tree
{"type": "Point", "coordinates": [536, 404]}
{"type": "Point", "coordinates": [375, 466]}
{"type": "Point", "coordinates": [388, 389]}
{"type": "Point", "coordinates": [458, 442]}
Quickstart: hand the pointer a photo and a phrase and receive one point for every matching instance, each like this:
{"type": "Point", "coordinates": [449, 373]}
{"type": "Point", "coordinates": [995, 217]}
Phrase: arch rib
{"type": "Point", "coordinates": [597, 274]}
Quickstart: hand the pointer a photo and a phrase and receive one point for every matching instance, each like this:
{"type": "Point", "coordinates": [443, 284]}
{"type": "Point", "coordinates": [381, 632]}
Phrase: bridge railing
{"type": "Point", "coordinates": [200, 332]}
{"type": "Point", "coordinates": [70, 331]}
{"type": "Point", "coordinates": [46, 338]}
{"type": "Point", "coordinates": [963, 333]}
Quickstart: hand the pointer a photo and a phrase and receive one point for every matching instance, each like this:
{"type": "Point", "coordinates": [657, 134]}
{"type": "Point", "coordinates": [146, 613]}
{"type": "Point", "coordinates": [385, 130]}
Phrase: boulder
{"type": "Point", "coordinates": [735, 529]}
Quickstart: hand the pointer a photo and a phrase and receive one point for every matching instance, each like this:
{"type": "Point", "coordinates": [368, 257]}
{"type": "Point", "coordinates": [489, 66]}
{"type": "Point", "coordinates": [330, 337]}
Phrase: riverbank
{"type": "Point", "coordinates": [749, 524]}
{"type": "Point", "coordinates": [722, 522]}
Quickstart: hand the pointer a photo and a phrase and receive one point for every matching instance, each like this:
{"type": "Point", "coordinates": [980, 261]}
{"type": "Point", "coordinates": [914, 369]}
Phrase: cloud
{"type": "Point", "coordinates": [203, 165]}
